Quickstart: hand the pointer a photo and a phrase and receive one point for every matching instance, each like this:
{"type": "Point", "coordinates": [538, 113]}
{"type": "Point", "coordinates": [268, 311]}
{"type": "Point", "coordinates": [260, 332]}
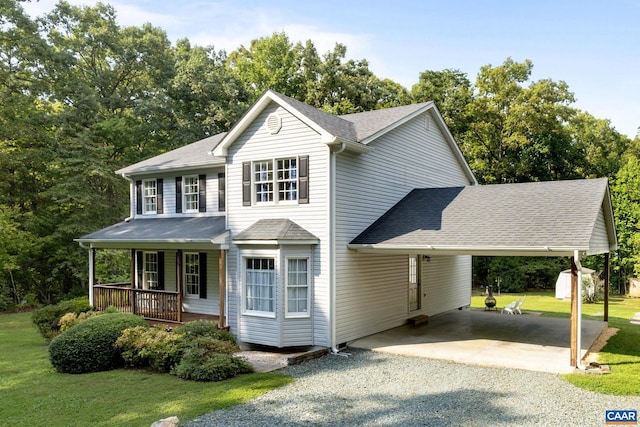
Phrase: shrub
{"type": "Point", "coordinates": [72, 319]}
{"type": "Point", "coordinates": [89, 347]}
{"type": "Point", "coordinates": [47, 318]}
{"type": "Point", "coordinates": [200, 364]}
{"type": "Point", "coordinates": [153, 348]}
{"type": "Point", "coordinates": [201, 328]}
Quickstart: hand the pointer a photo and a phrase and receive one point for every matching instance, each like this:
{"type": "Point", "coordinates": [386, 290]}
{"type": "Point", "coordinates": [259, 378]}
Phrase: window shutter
{"type": "Point", "coordinates": [159, 198]}
{"type": "Point", "coordinates": [202, 257]}
{"type": "Point", "coordinates": [161, 271]}
{"type": "Point", "coordinates": [139, 197]}
{"type": "Point", "coordinates": [221, 194]}
{"type": "Point", "coordinates": [139, 269]}
{"type": "Point", "coordinates": [202, 190]}
{"type": "Point", "coordinates": [303, 179]}
{"type": "Point", "coordinates": [178, 194]}
{"type": "Point", "coordinates": [246, 184]}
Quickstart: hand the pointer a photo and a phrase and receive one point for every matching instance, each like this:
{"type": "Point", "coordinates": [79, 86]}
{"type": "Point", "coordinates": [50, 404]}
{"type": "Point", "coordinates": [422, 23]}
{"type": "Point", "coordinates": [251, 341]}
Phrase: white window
{"type": "Point", "coordinates": [285, 180]}
{"type": "Point", "coordinates": [263, 180]}
{"type": "Point", "coordinates": [190, 193]}
{"type": "Point", "coordinates": [260, 285]}
{"type": "Point", "coordinates": [150, 271]}
{"type": "Point", "coordinates": [192, 274]}
{"type": "Point", "coordinates": [150, 195]}
{"type": "Point", "coordinates": [297, 287]}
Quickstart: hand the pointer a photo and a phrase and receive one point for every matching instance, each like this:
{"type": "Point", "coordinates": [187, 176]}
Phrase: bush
{"type": "Point", "coordinates": [47, 318]}
{"type": "Point", "coordinates": [200, 364]}
{"type": "Point", "coordinates": [71, 319]}
{"type": "Point", "coordinates": [201, 328]}
{"type": "Point", "coordinates": [153, 348]}
{"type": "Point", "coordinates": [89, 347]}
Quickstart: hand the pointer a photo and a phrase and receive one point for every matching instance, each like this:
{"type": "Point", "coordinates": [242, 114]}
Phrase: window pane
{"type": "Point", "coordinates": [150, 191]}
{"type": "Point", "coordinates": [191, 193]}
{"type": "Point", "coordinates": [263, 180]}
{"type": "Point", "coordinates": [192, 274]}
{"type": "Point", "coordinates": [287, 179]}
{"type": "Point", "coordinates": [260, 285]}
{"type": "Point", "coordinates": [297, 285]}
{"type": "Point", "coordinates": [150, 270]}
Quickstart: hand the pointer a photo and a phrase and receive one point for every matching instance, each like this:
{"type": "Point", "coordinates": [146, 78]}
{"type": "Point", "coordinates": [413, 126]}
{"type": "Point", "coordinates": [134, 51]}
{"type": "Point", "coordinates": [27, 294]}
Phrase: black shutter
{"type": "Point", "coordinates": [161, 271]}
{"type": "Point", "coordinates": [303, 179]}
{"type": "Point", "coordinates": [139, 269]}
{"type": "Point", "coordinates": [202, 190]}
{"type": "Point", "coordinates": [160, 198]}
{"type": "Point", "coordinates": [221, 194]}
{"type": "Point", "coordinates": [202, 256]}
{"type": "Point", "coordinates": [139, 197]}
{"type": "Point", "coordinates": [178, 194]}
{"type": "Point", "coordinates": [246, 184]}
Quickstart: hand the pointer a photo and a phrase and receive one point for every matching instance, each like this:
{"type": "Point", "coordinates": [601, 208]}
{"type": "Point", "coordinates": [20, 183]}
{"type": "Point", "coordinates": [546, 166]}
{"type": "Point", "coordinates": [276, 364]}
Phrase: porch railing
{"type": "Point", "coordinates": [149, 303]}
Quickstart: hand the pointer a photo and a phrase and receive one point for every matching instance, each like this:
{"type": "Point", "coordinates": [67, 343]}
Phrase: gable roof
{"type": "Point", "coordinates": [356, 130]}
{"type": "Point", "coordinates": [275, 231]}
{"type": "Point", "coordinates": [194, 155]}
{"type": "Point", "coordinates": [540, 218]}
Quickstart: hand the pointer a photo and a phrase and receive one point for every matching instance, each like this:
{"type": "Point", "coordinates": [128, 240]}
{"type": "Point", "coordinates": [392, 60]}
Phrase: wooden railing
{"type": "Point", "coordinates": [152, 304]}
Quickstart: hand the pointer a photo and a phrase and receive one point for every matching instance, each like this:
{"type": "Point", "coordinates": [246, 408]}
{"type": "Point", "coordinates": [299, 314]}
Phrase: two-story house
{"type": "Point", "coordinates": [301, 228]}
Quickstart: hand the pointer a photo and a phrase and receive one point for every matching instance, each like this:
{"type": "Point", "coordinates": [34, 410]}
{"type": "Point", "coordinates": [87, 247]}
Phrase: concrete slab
{"type": "Point", "coordinates": [525, 341]}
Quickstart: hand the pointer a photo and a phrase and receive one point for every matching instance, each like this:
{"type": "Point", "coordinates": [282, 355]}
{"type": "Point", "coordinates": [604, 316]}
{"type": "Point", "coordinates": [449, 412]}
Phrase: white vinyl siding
{"type": "Point", "coordinates": [294, 139]}
{"type": "Point", "coordinates": [169, 193]}
{"type": "Point", "coordinates": [446, 283]}
{"type": "Point", "coordinates": [599, 238]}
{"type": "Point", "coordinates": [372, 290]}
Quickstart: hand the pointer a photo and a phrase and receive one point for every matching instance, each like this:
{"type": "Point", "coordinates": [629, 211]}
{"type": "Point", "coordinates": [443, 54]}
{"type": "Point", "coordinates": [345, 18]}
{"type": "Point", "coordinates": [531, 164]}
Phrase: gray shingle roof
{"type": "Point", "coordinates": [558, 214]}
{"type": "Point", "coordinates": [192, 155]}
{"type": "Point", "coordinates": [275, 229]}
{"type": "Point", "coordinates": [171, 230]}
{"type": "Point", "coordinates": [354, 127]}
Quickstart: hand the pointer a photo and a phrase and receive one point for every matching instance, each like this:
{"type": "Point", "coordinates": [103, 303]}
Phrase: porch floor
{"type": "Point", "coordinates": [186, 317]}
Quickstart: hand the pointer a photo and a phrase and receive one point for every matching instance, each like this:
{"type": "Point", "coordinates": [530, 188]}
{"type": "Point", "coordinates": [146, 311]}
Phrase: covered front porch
{"type": "Point", "coordinates": [177, 265]}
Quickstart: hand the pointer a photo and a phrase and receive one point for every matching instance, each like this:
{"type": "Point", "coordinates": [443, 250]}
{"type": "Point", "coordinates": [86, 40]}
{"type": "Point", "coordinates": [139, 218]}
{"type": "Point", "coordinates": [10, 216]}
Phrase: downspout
{"type": "Point", "coordinates": [579, 365]}
{"type": "Point", "coordinates": [332, 249]}
{"type": "Point", "coordinates": [132, 196]}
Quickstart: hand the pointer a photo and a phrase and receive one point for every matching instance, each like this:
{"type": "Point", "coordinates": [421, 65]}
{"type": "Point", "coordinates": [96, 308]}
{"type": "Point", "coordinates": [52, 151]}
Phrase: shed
{"type": "Point", "coordinates": [563, 284]}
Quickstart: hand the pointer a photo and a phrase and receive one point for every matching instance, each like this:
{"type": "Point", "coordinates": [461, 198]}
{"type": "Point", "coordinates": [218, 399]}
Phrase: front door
{"type": "Point", "coordinates": [414, 283]}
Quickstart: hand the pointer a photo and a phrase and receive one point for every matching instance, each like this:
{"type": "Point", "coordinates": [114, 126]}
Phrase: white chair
{"type": "Point", "coordinates": [519, 303]}
{"type": "Point", "coordinates": [510, 309]}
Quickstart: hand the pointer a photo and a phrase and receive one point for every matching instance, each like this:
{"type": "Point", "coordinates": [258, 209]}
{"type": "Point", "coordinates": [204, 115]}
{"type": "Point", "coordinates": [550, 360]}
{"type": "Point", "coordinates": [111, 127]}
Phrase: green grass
{"type": "Point", "coordinates": [622, 352]}
{"type": "Point", "coordinates": [32, 393]}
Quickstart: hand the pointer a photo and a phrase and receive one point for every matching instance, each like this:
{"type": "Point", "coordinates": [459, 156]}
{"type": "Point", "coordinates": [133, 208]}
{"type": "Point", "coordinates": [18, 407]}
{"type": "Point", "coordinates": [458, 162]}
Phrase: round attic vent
{"type": "Point", "coordinates": [274, 123]}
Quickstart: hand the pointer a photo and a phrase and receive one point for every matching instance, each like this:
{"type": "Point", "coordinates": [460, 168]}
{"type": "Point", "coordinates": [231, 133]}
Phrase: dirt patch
{"type": "Point", "coordinates": [598, 344]}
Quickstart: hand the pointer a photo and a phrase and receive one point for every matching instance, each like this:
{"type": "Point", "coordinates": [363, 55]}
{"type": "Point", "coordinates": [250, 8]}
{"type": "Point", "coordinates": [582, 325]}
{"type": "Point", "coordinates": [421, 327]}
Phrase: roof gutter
{"type": "Point", "coordinates": [555, 250]}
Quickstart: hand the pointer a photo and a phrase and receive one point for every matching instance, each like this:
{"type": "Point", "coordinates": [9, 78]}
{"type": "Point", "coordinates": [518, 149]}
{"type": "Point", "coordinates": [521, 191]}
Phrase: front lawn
{"type": "Point", "coordinates": [34, 394]}
{"type": "Point", "coordinates": [622, 352]}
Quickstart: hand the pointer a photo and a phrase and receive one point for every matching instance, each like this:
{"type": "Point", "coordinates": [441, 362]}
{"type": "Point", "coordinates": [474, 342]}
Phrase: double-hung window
{"type": "Point", "coordinates": [276, 181]}
{"type": "Point", "coordinates": [260, 285]}
{"type": "Point", "coordinates": [191, 192]}
{"type": "Point", "coordinates": [150, 196]}
{"type": "Point", "coordinates": [192, 274]}
{"type": "Point", "coordinates": [150, 270]}
{"type": "Point", "coordinates": [297, 277]}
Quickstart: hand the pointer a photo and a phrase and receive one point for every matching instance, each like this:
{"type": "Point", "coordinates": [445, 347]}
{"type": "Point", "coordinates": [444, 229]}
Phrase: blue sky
{"type": "Point", "coordinates": [594, 46]}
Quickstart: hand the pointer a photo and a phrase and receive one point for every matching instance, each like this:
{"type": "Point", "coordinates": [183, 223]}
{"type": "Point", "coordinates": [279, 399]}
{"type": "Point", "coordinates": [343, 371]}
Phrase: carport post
{"type": "Point", "coordinates": [576, 310]}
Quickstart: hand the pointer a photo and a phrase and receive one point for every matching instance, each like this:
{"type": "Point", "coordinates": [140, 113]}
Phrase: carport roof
{"type": "Point", "coordinates": [538, 219]}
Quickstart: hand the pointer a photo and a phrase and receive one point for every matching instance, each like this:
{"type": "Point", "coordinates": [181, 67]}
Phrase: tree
{"type": "Point", "coordinates": [451, 91]}
{"type": "Point", "coordinates": [516, 133]}
{"type": "Point", "coordinates": [625, 196]}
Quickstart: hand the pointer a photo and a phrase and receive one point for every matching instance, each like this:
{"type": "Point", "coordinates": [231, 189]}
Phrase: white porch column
{"type": "Point", "coordinates": [92, 273]}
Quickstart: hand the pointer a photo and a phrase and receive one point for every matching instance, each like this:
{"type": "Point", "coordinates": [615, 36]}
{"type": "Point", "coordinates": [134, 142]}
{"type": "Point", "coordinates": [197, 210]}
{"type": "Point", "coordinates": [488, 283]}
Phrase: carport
{"type": "Point", "coordinates": [558, 218]}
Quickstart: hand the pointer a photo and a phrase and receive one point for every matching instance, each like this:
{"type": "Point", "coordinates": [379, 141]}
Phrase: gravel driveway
{"type": "Point", "coordinates": [376, 389]}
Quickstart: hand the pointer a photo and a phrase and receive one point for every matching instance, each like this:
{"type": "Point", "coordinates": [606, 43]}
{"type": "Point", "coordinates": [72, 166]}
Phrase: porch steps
{"type": "Point", "coordinates": [418, 320]}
